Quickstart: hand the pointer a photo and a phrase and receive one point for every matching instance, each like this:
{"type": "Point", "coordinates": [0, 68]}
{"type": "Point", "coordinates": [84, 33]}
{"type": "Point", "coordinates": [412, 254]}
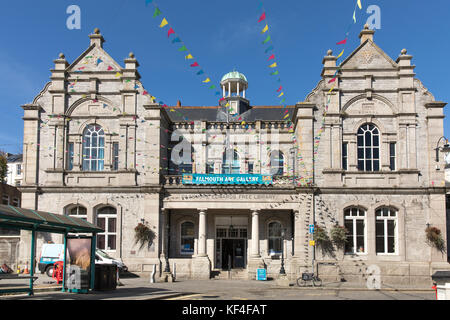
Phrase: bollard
{"type": "Point", "coordinates": [174, 271]}
{"type": "Point", "coordinates": [152, 275]}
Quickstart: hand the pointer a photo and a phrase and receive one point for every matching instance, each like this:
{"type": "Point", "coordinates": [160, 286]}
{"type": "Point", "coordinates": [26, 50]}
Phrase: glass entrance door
{"type": "Point", "coordinates": [231, 248]}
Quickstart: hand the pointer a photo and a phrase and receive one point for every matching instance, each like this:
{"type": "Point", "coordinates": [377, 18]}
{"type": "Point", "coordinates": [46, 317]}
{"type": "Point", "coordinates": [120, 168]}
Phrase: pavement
{"type": "Point", "coordinates": [140, 288]}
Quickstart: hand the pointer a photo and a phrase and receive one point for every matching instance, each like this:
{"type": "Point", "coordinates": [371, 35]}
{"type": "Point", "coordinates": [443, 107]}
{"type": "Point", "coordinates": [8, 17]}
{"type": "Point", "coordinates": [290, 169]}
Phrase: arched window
{"type": "Point", "coordinates": [77, 212]}
{"type": "Point", "coordinates": [276, 163]}
{"type": "Point", "coordinates": [187, 238]}
{"type": "Point", "coordinates": [93, 148]}
{"type": "Point", "coordinates": [107, 220]}
{"type": "Point", "coordinates": [275, 238]}
{"type": "Point", "coordinates": [368, 138]}
{"type": "Point", "coordinates": [355, 223]}
{"type": "Point", "coordinates": [230, 162]}
{"type": "Point", "coordinates": [386, 230]}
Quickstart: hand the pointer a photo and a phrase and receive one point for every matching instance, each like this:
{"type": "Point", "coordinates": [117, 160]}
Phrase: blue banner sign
{"type": "Point", "coordinates": [261, 274]}
{"type": "Point", "coordinates": [198, 178]}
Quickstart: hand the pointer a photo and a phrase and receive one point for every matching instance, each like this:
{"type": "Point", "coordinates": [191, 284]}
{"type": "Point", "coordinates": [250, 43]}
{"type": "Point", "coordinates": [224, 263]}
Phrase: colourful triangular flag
{"type": "Point", "coordinates": [279, 89]}
{"type": "Point", "coordinates": [265, 29]}
{"type": "Point", "coordinates": [281, 94]}
{"type": "Point", "coordinates": [171, 31]}
{"type": "Point", "coordinates": [157, 12]}
{"type": "Point", "coordinates": [273, 65]}
{"type": "Point", "coordinates": [268, 49]}
{"type": "Point", "coordinates": [340, 54]}
{"type": "Point", "coordinates": [274, 73]}
{"type": "Point", "coordinates": [200, 72]}
{"type": "Point", "coordinates": [359, 4]}
{"type": "Point", "coordinates": [271, 57]}
{"type": "Point", "coordinates": [183, 48]}
{"type": "Point", "coordinates": [342, 42]}
{"type": "Point", "coordinates": [263, 16]}
{"type": "Point", "coordinates": [354, 16]}
{"type": "Point", "coordinates": [163, 23]}
{"type": "Point", "coordinates": [195, 64]}
{"type": "Point", "coordinates": [176, 40]}
{"type": "Point", "coordinates": [207, 80]}
{"type": "Point", "coordinates": [189, 56]}
{"type": "Point", "coordinates": [267, 39]}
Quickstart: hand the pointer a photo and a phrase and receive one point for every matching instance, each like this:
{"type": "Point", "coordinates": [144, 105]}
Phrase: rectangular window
{"type": "Point", "coordinates": [115, 164]}
{"type": "Point", "coordinates": [5, 199]}
{"type": "Point", "coordinates": [19, 169]}
{"type": "Point", "coordinates": [250, 167]}
{"type": "Point", "coordinates": [385, 230]}
{"type": "Point", "coordinates": [70, 156]}
{"type": "Point", "coordinates": [392, 156]}
{"type": "Point", "coordinates": [345, 156]}
{"type": "Point", "coordinates": [355, 223]}
{"type": "Point", "coordinates": [15, 202]}
{"type": "Point", "coordinates": [210, 168]}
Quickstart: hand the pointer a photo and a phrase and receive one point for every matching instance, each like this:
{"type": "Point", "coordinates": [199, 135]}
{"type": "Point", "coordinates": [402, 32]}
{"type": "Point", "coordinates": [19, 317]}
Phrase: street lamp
{"type": "Point", "coordinates": [445, 148]}
{"type": "Point", "coordinates": [283, 234]}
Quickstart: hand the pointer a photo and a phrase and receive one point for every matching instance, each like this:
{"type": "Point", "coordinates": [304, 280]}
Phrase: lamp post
{"type": "Point", "coordinates": [283, 234]}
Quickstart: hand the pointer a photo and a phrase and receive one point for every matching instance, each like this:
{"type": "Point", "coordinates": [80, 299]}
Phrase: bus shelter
{"type": "Point", "coordinates": [39, 221]}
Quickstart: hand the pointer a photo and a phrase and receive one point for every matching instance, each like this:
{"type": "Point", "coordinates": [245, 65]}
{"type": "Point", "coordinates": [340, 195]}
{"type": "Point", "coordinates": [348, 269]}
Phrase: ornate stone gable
{"type": "Point", "coordinates": [368, 56]}
{"type": "Point", "coordinates": [94, 59]}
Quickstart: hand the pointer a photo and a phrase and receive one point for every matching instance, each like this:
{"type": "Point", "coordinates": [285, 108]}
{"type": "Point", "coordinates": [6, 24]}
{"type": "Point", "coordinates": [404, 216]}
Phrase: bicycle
{"type": "Point", "coordinates": [309, 277]}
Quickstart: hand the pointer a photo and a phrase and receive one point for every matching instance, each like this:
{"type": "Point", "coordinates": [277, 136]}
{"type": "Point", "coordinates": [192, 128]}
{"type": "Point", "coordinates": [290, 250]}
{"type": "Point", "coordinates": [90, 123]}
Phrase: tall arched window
{"type": "Point", "coordinates": [93, 148]}
{"type": "Point", "coordinates": [187, 238]}
{"type": "Point", "coordinates": [386, 230]}
{"type": "Point", "coordinates": [368, 148]}
{"type": "Point", "coordinates": [275, 239]}
{"type": "Point", "coordinates": [107, 220]}
{"type": "Point", "coordinates": [230, 162]}
{"type": "Point", "coordinates": [276, 163]}
{"type": "Point", "coordinates": [355, 223]}
{"type": "Point", "coordinates": [77, 212]}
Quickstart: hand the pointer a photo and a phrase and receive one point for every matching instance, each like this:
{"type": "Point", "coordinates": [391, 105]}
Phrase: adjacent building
{"type": "Point", "coordinates": [15, 168]}
{"type": "Point", "coordinates": [358, 152]}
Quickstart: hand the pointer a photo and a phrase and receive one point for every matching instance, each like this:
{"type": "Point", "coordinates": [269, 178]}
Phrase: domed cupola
{"type": "Point", "coordinates": [234, 84]}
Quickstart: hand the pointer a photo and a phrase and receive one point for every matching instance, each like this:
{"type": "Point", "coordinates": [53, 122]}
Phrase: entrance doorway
{"type": "Point", "coordinates": [231, 248]}
{"type": "Point", "coordinates": [233, 253]}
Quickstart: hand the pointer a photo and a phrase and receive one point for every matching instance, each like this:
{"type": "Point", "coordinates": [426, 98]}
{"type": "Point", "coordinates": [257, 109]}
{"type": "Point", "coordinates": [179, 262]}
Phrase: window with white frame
{"type": "Point", "coordinates": [78, 212]}
{"type": "Point", "coordinates": [275, 238]}
{"type": "Point", "coordinates": [276, 163]}
{"type": "Point", "coordinates": [19, 169]}
{"type": "Point", "coordinates": [187, 238]}
{"type": "Point", "coordinates": [107, 220]}
{"type": "Point", "coordinates": [355, 223]}
{"type": "Point", "coordinates": [230, 162]}
{"type": "Point", "coordinates": [392, 162]}
{"type": "Point", "coordinates": [368, 140]}
{"type": "Point", "coordinates": [93, 148]}
{"type": "Point", "coordinates": [386, 230]}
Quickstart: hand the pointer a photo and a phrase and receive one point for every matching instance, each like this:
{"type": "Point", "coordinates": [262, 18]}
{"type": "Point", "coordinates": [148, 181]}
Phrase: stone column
{"type": "Point", "coordinates": [202, 233]}
{"type": "Point", "coordinates": [201, 265]}
{"type": "Point", "coordinates": [255, 235]}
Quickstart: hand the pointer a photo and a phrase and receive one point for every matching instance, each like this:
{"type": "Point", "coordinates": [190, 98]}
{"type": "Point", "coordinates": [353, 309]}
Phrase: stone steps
{"type": "Point", "coordinates": [233, 274]}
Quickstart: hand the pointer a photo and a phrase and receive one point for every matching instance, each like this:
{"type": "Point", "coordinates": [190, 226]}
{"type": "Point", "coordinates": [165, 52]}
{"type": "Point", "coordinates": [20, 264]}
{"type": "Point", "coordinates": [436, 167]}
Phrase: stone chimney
{"type": "Point", "coordinates": [97, 38]}
{"type": "Point", "coordinates": [178, 103]}
{"type": "Point", "coordinates": [366, 33]}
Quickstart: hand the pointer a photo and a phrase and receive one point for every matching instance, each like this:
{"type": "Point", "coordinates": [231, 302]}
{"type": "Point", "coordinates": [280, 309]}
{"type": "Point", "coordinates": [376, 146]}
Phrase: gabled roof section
{"type": "Point", "coordinates": [368, 55]}
{"type": "Point", "coordinates": [94, 59]}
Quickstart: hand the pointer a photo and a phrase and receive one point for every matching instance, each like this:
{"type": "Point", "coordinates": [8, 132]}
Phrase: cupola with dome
{"type": "Point", "coordinates": [234, 85]}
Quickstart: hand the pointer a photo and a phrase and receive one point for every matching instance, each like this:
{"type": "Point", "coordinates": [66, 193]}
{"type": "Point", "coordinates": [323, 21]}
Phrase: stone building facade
{"type": "Point", "coordinates": [98, 146]}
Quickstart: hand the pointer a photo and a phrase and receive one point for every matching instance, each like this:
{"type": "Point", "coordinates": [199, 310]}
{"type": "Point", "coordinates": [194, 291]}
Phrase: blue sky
{"type": "Point", "coordinates": [221, 35]}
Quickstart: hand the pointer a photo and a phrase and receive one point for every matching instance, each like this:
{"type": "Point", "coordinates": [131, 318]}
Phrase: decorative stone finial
{"type": "Point", "coordinates": [62, 56]}
{"type": "Point", "coordinates": [131, 55]}
{"type": "Point", "coordinates": [330, 52]}
{"type": "Point", "coordinates": [404, 51]}
{"type": "Point", "coordinates": [366, 26]}
{"type": "Point", "coordinates": [97, 31]}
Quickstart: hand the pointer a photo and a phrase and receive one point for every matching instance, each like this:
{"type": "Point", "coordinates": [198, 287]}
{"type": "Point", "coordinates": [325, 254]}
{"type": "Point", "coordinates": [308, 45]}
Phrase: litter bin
{"type": "Point", "coordinates": [105, 277]}
{"type": "Point", "coordinates": [442, 280]}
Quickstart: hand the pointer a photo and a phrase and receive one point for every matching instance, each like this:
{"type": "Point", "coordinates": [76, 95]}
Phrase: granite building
{"type": "Point", "coordinates": [98, 146]}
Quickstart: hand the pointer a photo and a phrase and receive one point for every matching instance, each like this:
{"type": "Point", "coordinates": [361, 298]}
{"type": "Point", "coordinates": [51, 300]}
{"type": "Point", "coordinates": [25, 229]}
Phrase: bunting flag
{"type": "Point", "coordinates": [265, 29]}
{"type": "Point", "coordinates": [268, 49]}
{"type": "Point", "coordinates": [170, 32]}
{"type": "Point", "coordinates": [163, 23]}
{"type": "Point", "coordinates": [263, 17]}
{"type": "Point", "coordinates": [271, 57]}
{"type": "Point", "coordinates": [281, 94]}
{"type": "Point", "coordinates": [279, 89]}
{"type": "Point", "coordinates": [359, 4]}
{"type": "Point", "coordinates": [195, 64]}
{"type": "Point", "coordinates": [189, 56]}
{"type": "Point", "coordinates": [342, 42]}
{"type": "Point", "coordinates": [183, 48]}
{"type": "Point", "coordinates": [176, 40]}
{"type": "Point", "coordinates": [340, 54]}
{"type": "Point", "coordinates": [156, 13]}
{"type": "Point", "coordinates": [274, 73]}
{"type": "Point", "coordinates": [273, 65]}
{"type": "Point", "coordinates": [267, 39]}
{"type": "Point", "coordinates": [207, 80]}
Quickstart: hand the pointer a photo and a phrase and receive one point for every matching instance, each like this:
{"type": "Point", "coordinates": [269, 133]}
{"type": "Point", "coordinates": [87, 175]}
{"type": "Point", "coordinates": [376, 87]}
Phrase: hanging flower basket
{"type": "Point", "coordinates": [143, 235]}
{"type": "Point", "coordinates": [434, 238]}
{"type": "Point", "coordinates": [339, 236]}
{"type": "Point", "coordinates": [321, 237]}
